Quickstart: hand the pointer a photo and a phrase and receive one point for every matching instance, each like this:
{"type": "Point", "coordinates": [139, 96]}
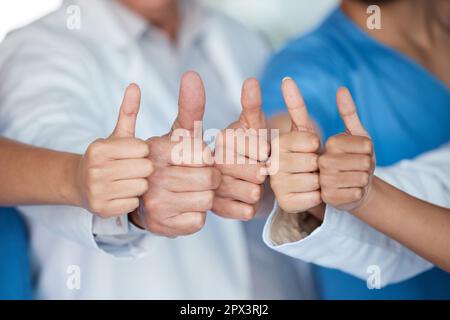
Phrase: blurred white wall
{"type": "Point", "coordinates": [277, 19]}
{"type": "Point", "coordinates": [17, 13]}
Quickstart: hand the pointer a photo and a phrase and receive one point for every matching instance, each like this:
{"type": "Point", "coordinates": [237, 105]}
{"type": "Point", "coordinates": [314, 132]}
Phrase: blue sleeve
{"type": "Point", "coordinates": [315, 72]}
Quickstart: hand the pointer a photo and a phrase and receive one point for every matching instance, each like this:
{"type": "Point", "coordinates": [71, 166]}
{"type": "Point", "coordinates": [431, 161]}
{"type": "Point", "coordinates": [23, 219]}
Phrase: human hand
{"type": "Point", "coordinates": [113, 172]}
{"type": "Point", "coordinates": [347, 165]}
{"type": "Point", "coordinates": [180, 193]}
{"type": "Point", "coordinates": [240, 155]}
{"type": "Point", "coordinates": [296, 184]}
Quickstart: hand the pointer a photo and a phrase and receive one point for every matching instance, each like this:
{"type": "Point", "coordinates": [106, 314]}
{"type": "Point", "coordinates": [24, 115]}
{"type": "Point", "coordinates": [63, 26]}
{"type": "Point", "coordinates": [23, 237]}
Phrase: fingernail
{"type": "Point", "coordinates": [287, 78]}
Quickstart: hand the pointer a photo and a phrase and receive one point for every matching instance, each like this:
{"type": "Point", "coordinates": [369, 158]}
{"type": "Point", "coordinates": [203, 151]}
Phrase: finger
{"type": "Point", "coordinates": [341, 197]}
{"type": "Point", "coordinates": [252, 115]}
{"type": "Point", "coordinates": [184, 179]}
{"type": "Point", "coordinates": [296, 105]}
{"type": "Point", "coordinates": [299, 202]}
{"type": "Point", "coordinates": [232, 209]}
{"type": "Point", "coordinates": [294, 183]}
{"type": "Point", "coordinates": [124, 148]}
{"type": "Point", "coordinates": [247, 143]}
{"type": "Point", "coordinates": [121, 206]}
{"type": "Point", "coordinates": [123, 189]}
{"type": "Point", "coordinates": [249, 172]}
{"type": "Point", "coordinates": [347, 110]}
{"type": "Point", "coordinates": [344, 179]}
{"type": "Point", "coordinates": [196, 201]}
{"type": "Point", "coordinates": [345, 143]}
{"type": "Point", "coordinates": [129, 169]}
{"type": "Point", "coordinates": [189, 152]}
{"type": "Point", "coordinates": [186, 223]}
{"type": "Point", "coordinates": [240, 190]}
{"type": "Point", "coordinates": [191, 103]}
{"type": "Point", "coordinates": [333, 162]}
{"type": "Point", "coordinates": [297, 141]}
{"type": "Point", "coordinates": [298, 162]}
{"type": "Point", "coordinates": [126, 123]}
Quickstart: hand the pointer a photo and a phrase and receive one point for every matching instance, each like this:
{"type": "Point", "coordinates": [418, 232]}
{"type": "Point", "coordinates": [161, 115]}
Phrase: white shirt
{"type": "Point", "coordinates": [61, 88]}
{"type": "Point", "coordinates": [346, 243]}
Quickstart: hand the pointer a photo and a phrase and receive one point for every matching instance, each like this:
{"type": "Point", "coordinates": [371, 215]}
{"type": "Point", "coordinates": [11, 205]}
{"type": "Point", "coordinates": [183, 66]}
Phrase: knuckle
{"type": "Point", "coordinates": [152, 204]}
{"type": "Point", "coordinates": [198, 221]}
{"type": "Point", "coordinates": [315, 182]}
{"type": "Point", "coordinates": [358, 194]}
{"type": "Point", "coordinates": [259, 177]}
{"type": "Point", "coordinates": [366, 162]}
{"type": "Point", "coordinates": [209, 200]}
{"type": "Point", "coordinates": [255, 193]}
{"type": "Point", "coordinates": [327, 195]}
{"type": "Point", "coordinates": [143, 185]}
{"type": "Point", "coordinates": [368, 145]}
{"type": "Point", "coordinates": [95, 149]}
{"type": "Point", "coordinates": [324, 161]}
{"type": "Point", "coordinates": [149, 167]}
{"type": "Point", "coordinates": [316, 198]}
{"type": "Point", "coordinates": [143, 147]}
{"type": "Point", "coordinates": [314, 141]}
{"type": "Point", "coordinates": [364, 179]}
{"type": "Point", "coordinates": [314, 159]}
{"type": "Point", "coordinates": [248, 213]}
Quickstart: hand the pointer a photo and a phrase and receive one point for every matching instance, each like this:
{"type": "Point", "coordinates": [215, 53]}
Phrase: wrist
{"type": "Point", "coordinates": [70, 189]}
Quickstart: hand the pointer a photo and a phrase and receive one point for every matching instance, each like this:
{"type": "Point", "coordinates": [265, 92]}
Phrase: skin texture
{"type": "Point", "coordinates": [107, 180]}
{"type": "Point", "coordinates": [179, 195]}
{"type": "Point", "coordinates": [347, 182]}
{"type": "Point", "coordinates": [113, 173]}
{"type": "Point", "coordinates": [296, 184]}
{"type": "Point", "coordinates": [348, 162]}
{"type": "Point", "coordinates": [241, 189]}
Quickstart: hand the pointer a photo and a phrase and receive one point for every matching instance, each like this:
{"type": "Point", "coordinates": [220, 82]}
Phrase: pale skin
{"type": "Point", "coordinates": [107, 180]}
{"type": "Point", "coordinates": [241, 190]}
{"type": "Point", "coordinates": [179, 196]}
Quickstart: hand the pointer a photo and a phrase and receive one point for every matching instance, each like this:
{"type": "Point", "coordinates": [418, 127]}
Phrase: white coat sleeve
{"type": "Point", "coordinates": [346, 243]}
{"type": "Point", "coordinates": [47, 100]}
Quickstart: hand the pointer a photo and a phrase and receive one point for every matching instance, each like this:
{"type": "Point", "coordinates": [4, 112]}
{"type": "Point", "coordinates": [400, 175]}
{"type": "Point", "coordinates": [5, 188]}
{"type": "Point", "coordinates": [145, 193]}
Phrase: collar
{"type": "Point", "coordinates": [117, 25]}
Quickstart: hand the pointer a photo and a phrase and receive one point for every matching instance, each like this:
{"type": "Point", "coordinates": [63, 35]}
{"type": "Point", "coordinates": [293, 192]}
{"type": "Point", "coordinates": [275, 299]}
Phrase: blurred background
{"type": "Point", "coordinates": [278, 20]}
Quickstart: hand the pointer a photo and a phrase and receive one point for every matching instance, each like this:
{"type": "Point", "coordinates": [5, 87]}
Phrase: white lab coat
{"type": "Point", "coordinates": [348, 244]}
{"type": "Point", "coordinates": [61, 88]}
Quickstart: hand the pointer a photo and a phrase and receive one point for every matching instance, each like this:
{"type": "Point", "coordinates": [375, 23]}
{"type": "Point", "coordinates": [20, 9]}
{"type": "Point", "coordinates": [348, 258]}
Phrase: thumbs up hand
{"type": "Point", "coordinates": [240, 155]}
{"type": "Point", "coordinates": [113, 172]}
{"type": "Point", "coordinates": [347, 166]}
{"type": "Point", "coordinates": [180, 192]}
{"type": "Point", "coordinates": [296, 184]}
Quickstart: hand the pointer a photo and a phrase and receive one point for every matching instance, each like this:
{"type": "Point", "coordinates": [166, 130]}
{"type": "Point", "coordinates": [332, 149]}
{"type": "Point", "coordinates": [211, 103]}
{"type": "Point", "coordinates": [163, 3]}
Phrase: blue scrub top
{"type": "Point", "coordinates": [404, 107]}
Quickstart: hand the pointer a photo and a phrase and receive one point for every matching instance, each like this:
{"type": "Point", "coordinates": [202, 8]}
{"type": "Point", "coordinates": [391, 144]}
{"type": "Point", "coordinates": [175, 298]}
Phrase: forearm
{"type": "Point", "coordinates": [32, 175]}
{"type": "Point", "coordinates": [419, 225]}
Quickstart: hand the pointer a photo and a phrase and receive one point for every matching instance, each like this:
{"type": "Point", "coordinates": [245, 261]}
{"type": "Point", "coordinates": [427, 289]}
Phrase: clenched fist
{"type": "Point", "coordinates": [180, 193]}
{"type": "Point", "coordinates": [348, 163]}
{"type": "Point", "coordinates": [113, 173]}
{"type": "Point", "coordinates": [296, 184]}
{"type": "Point", "coordinates": [240, 154]}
